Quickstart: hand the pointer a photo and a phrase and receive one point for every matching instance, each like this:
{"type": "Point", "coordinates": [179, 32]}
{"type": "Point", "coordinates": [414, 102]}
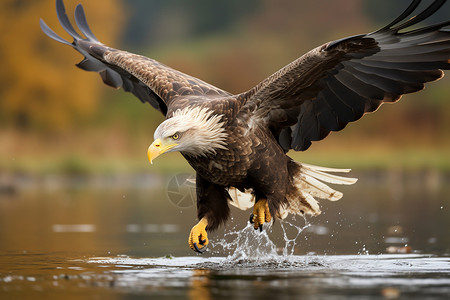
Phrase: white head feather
{"type": "Point", "coordinates": [201, 131]}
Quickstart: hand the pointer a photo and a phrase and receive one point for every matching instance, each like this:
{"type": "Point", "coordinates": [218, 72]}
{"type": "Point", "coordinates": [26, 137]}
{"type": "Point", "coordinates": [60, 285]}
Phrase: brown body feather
{"type": "Point", "coordinates": [252, 161]}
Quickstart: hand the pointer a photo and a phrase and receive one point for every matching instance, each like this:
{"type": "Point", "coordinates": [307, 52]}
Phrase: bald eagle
{"type": "Point", "coordinates": [237, 144]}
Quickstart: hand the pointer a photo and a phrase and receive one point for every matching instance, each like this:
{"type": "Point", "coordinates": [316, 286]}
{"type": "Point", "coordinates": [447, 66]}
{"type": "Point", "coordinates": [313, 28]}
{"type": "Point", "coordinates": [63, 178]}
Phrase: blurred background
{"type": "Point", "coordinates": [62, 126]}
{"type": "Point", "coordinates": [55, 118]}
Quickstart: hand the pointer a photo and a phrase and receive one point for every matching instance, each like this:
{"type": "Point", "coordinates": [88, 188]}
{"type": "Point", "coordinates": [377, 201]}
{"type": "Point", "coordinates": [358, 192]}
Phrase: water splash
{"type": "Point", "coordinates": [289, 243]}
{"type": "Point", "coordinates": [363, 251]}
{"type": "Point", "coordinates": [248, 245]}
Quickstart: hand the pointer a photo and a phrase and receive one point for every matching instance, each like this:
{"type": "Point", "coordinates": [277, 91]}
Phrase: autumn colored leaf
{"type": "Point", "coordinates": [38, 76]}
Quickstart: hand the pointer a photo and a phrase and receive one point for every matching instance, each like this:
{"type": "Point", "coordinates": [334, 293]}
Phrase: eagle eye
{"type": "Point", "coordinates": [176, 136]}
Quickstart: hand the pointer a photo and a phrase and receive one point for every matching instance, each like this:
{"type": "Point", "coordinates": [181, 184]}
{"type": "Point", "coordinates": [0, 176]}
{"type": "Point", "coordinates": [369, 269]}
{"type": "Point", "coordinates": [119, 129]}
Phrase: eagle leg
{"type": "Point", "coordinates": [261, 214]}
{"type": "Point", "coordinates": [198, 238]}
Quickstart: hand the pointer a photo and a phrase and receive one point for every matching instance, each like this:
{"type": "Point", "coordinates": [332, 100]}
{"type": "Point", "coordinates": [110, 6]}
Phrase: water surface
{"type": "Point", "coordinates": [127, 238]}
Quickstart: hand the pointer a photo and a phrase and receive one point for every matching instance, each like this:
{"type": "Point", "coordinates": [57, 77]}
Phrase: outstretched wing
{"type": "Point", "coordinates": [339, 82]}
{"type": "Point", "coordinates": [146, 78]}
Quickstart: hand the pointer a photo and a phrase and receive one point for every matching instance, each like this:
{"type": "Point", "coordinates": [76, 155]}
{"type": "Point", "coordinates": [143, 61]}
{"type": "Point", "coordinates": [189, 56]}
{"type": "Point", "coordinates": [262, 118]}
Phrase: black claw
{"type": "Point", "coordinates": [202, 242]}
{"type": "Point", "coordinates": [251, 222]}
{"type": "Point", "coordinates": [199, 250]}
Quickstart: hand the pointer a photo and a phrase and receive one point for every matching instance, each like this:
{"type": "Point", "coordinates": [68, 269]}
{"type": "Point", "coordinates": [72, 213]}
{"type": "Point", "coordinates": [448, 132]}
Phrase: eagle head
{"type": "Point", "coordinates": [193, 131]}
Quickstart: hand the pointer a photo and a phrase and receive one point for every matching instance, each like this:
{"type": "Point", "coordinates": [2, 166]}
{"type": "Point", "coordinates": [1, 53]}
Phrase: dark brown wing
{"type": "Point", "coordinates": [146, 78]}
{"type": "Point", "coordinates": [339, 82]}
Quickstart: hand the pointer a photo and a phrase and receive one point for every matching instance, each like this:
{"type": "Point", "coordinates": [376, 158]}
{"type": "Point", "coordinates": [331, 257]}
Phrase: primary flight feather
{"type": "Point", "coordinates": [237, 144]}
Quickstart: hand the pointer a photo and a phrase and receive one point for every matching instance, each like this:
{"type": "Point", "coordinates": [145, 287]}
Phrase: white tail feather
{"type": "Point", "coordinates": [324, 169]}
{"type": "Point", "coordinates": [310, 182]}
{"type": "Point", "coordinates": [313, 202]}
{"type": "Point", "coordinates": [319, 173]}
{"type": "Point", "coordinates": [317, 188]}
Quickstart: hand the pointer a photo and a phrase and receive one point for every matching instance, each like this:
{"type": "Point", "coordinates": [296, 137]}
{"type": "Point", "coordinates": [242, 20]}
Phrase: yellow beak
{"type": "Point", "coordinates": [157, 148]}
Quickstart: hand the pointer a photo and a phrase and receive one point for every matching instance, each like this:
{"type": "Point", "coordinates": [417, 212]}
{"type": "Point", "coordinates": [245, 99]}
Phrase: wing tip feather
{"type": "Point", "coordinates": [398, 24]}
{"type": "Point", "coordinates": [81, 21]}
{"type": "Point", "coordinates": [51, 34]}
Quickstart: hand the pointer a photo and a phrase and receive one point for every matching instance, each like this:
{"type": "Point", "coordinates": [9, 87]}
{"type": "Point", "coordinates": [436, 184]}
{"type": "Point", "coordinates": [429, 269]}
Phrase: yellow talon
{"type": "Point", "coordinates": [261, 214]}
{"type": "Point", "coordinates": [198, 238]}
